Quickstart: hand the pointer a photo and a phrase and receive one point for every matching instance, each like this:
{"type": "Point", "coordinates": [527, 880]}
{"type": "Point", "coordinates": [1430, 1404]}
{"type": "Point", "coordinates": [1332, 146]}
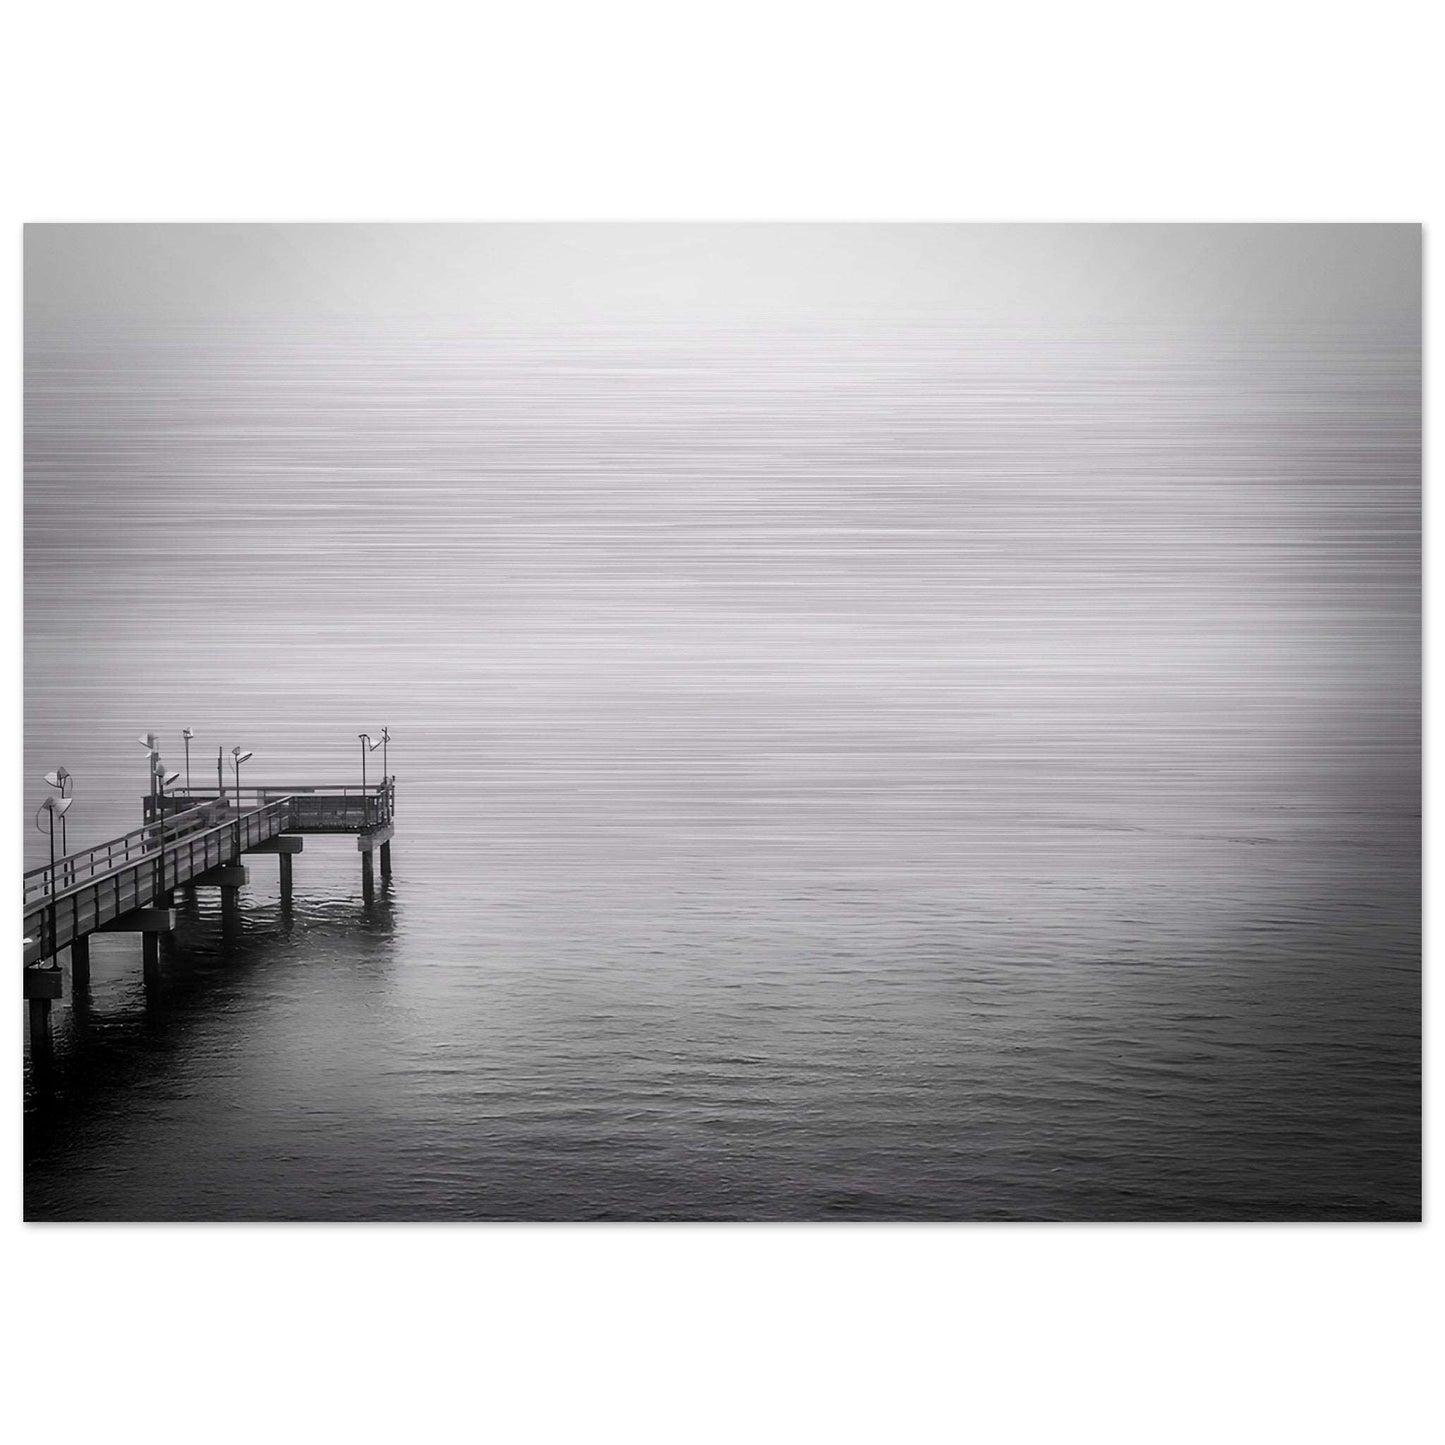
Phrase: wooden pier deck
{"type": "Point", "coordinates": [196, 839]}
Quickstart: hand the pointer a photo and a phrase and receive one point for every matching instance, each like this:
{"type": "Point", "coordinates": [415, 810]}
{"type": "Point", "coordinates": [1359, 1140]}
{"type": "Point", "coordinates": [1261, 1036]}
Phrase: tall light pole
{"type": "Point", "coordinates": [63, 779]}
{"type": "Point", "coordinates": [366, 746]}
{"type": "Point", "coordinates": [50, 807]}
{"type": "Point", "coordinates": [237, 758]}
{"type": "Point", "coordinates": [385, 770]}
{"type": "Point", "coordinates": [163, 781]}
{"type": "Point", "coordinates": [53, 808]}
{"type": "Point", "coordinates": [187, 734]}
{"type": "Point", "coordinates": [148, 742]}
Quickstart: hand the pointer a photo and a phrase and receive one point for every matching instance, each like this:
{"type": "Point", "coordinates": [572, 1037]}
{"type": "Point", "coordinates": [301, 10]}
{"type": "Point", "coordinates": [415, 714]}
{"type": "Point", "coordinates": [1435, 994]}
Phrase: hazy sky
{"type": "Point", "coordinates": [692, 273]}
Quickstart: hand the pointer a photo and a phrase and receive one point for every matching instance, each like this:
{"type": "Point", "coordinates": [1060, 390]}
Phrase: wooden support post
{"type": "Point", "coordinates": [80, 963]}
{"type": "Point", "coordinates": [41, 986]}
{"type": "Point", "coordinates": [230, 878]}
{"type": "Point", "coordinates": [285, 880]}
{"type": "Point", "coordinates": [367, 842]}
{"type": "Point", "coordinates": [151, 958]}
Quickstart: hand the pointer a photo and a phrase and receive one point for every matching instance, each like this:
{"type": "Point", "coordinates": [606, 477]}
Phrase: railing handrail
{"type": "Point", "coordinates": [230, 792]}
{"type": "Point", "coordinates": [146, 858]}
{"type": "Point", "coordinates": [141, 845]}
{"type": "Point", "coordinates": [121, 841]}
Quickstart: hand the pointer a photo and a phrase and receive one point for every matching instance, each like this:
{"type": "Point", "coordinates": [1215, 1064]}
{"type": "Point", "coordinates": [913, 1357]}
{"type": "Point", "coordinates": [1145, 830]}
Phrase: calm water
{"type": "Point", "coordinates": [895, 773]}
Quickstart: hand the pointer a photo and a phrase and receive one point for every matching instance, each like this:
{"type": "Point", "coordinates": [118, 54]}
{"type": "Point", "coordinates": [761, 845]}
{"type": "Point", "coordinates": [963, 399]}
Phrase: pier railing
{"type": "Point", "coordinates": [192, 831]}
{"type": "Point", "coordinates": [104, 858]}
{"type": "Point", "coordinates": [173, 857]}
{"type": "Point", "coordinates": [317, 807]}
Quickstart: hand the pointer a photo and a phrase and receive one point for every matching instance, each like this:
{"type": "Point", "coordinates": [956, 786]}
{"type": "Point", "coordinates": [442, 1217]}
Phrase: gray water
{"type": "Point", "coordinates": [910, 772]}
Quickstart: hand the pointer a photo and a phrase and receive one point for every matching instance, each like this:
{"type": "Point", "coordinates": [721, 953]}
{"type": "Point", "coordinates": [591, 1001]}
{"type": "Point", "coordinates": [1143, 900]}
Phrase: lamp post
{"type": "Point", "coordinates": [51, 807]}
{"type": "Point", "coordinates": [63, 779]}
{"type": "Point", "coordinates": [162, 780]}
{"type": "Point", "coordinates": [237, 758]}
{"type": "Point", "coordinates": [148, 742]}
{"type": "Point", "coordinates": [386, 775]}
{"type": "Point", "coordinates": [366, 746]}
{"type": "Point", "coordinates": [187, 734]}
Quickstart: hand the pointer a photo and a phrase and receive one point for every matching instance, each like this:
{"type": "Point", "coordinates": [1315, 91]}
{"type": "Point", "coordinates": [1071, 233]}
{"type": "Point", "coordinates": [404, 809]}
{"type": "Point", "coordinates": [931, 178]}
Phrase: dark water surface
{"type": "Point", "coordinates": [897, 773]}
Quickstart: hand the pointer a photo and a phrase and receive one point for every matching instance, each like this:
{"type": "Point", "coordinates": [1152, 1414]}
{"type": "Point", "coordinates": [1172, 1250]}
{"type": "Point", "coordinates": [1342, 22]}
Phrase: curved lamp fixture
{"type": "Point", "coordinates": [62, 778]}
{"type": "Point", "coordinates": [52, 807]}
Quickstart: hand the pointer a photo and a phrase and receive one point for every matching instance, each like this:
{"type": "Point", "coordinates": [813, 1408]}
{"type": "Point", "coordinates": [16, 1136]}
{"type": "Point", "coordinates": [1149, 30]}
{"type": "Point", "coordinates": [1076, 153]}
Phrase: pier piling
{"type": "Point", "coordinates": [80, 963]}
{"type": "Point", "coordinates": [151, 958]}
{"type": "Point", "coordinates": [41, 986]}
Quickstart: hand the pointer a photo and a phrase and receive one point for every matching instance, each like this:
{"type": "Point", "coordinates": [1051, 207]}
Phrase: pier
{"type": "Point", "coordinates": [189, 839]}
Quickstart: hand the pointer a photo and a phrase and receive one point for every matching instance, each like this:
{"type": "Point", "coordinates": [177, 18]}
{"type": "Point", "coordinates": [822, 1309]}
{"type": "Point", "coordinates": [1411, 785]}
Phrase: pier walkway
{"type": "Point", "coordinates": [193, 838]}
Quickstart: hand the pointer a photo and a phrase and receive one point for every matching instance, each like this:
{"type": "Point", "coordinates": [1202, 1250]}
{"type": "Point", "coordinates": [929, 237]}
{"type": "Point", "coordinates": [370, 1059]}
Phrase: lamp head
{"type": "Point", "coordinates": [58, 778]}
{"type": "Point", "coordinates": [239, 757]}
{"type": "Point", "coordinates": [169, 779]}
{"type": "Point", "coordinates": [148, 743]}
{"type": "Point", "coordinates": [187, 734]}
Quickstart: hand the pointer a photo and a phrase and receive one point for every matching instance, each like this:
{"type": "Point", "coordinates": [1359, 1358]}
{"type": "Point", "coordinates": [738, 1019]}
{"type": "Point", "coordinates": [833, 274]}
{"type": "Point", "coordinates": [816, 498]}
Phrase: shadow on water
{"type": "Point", "coordinates": [118, 1035]}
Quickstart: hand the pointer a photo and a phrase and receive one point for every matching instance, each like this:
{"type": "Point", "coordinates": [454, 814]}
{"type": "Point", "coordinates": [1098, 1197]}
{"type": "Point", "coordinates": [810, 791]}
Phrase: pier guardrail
{"type": "Point", "coordinates": [103, 858]}
{"type": "Point", "coordinates": [319, 807]}
{"type": "Point", "coordinates": [189, 832]}
{"type": "Point", "coordinates": [54, 919]}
